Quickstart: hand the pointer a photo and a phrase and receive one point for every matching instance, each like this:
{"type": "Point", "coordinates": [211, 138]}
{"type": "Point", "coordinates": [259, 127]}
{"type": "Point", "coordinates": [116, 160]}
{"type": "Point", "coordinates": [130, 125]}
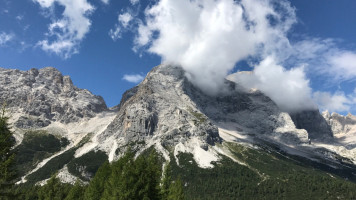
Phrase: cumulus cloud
{"type": "Point", "coordinates": [337, 102]}
{"type": "Point", "coordinates": [69, 30]}
{"type": "Point", "coordinates": [289, 89]}
{"type": "Point", "coordinates": [124, 20]}
{"type": "Point", "coordinates": [208, 37]}
{"type": "Point", "coordinates": [105, 1]}
{"type": "Point", "coordinates": [133, 78]}
{"type": "Point", "coordinates": [5, 38]}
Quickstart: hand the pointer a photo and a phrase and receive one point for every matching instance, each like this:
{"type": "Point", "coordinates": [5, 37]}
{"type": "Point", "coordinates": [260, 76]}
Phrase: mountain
{"type": "Point", "coordinates": [45, 98]}
{"type": "Point", "coordinates": [167, 111]}
{"type": "Point", "coordinates": [61, 127]}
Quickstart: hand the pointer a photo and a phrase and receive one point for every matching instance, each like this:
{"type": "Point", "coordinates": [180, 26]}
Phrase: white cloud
{"type": "Point", "coordinates": [337, 102]}
{"type": "Point", "coordinates": [289, 89]}
{"type": "Point", "coordinates": [124, 20]}
{"type": "Point", "coordinates": [115, 33]}
{"type": "Point", "coordinates": [19, 17]}
{"type": "Point", "coordinates": [325, 58]}
{"type": "Point", "coordinates": [134, 2]}
{"type": "Point", "coordinates": [105, 1]}
{"type": "Point", "coordinates": [208, 37]}
{"type": "Point", "coordinates": [343, 65]}
{"type": "Point", "coordinates": [70, 29]}
{"type": "Point", "coordinates": [133, 78]}
{"type": "Point", "coordinates": [5, 38]}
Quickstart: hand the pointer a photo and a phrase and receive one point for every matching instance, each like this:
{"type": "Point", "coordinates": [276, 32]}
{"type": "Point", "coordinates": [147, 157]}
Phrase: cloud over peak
{"type": "Point", "coordinates": [288, 88]}
{"type": "Point", "coordinates": [207, 38]}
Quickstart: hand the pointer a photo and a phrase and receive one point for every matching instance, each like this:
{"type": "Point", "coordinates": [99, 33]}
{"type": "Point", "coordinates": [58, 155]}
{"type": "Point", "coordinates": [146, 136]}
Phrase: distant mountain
{"type": "Point", "coordinates": [166, 112]}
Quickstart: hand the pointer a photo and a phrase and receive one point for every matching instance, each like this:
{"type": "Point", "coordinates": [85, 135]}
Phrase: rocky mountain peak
{"type": "Point", "coordinates": [340, 124]}
{"type": "Point", "coordinates": [43, 96]}
{"type": "Point", "coordinates": [166, 110]}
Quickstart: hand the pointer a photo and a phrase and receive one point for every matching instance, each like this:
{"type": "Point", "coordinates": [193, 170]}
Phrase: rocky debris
{"type": "Point", "coordinates": [313, 122]}
{"type": "Point", "coordinates": [44, 96]}
{"type": "Point", "coordinates": [31, 123]}
{"type": "Point", "coordinates": [340, 124]}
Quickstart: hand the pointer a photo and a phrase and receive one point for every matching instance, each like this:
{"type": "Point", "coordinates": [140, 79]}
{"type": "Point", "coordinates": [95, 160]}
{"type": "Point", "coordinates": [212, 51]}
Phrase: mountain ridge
{"type": "Point", "coordinates": [168, 112]}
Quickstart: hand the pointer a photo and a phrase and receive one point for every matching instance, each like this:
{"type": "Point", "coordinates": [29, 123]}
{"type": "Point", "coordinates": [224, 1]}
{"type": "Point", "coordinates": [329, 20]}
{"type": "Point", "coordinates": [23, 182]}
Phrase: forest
{"type": "Point", "coordinates": [265, 175]}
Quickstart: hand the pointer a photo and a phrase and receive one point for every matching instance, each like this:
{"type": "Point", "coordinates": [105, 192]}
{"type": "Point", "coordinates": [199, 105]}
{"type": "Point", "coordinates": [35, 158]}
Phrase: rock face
{"type": "Point", "coordinates": [168, 111]}
{"type": "Point", "coordinates": [158, 107]}
{"type": "Point", "coordinates": [340, 124]}
{"type": "Point", "coordinates": [44, 96]}
{"type": "Point", "coordinates": [165, 111]}
{"type": "Point", "coordinates": [313, 122]}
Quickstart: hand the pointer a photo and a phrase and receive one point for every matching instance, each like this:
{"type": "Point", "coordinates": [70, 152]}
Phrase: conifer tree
{"type": "Point", "coordinates": [148, 173]}
{"type": "Point", "coordinates": [166, 181]}
{"type": "Point", "coordinates": [6, 157]}
{"type": "Point", "coordinates": [76, 192]}
{"type": "Point", "coordinates": [115, 185]}
{"type": "Point", "coordinates": [96, 186]}
{"type": "Point", "coordinates": [53, 190]}
{"type": "Point", "coordinates": [176, 190]}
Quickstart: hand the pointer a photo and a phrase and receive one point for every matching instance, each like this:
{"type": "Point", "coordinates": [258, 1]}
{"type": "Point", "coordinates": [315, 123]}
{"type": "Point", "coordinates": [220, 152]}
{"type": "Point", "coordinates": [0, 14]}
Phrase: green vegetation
{"type": "Point", "coordinates": [87, 164]}
{"type": "Point", "coordinates": [36, 146]}
{"type": "Point", "coordinates": [52, 166]}
{"type": "Point", "coordinates": [56, 163]}
{"type": "Point", "coordinates": [267, 175]}
{"type": "Point", "coordinates": [200, 118]}
{"type": "Point", "coordinates": [6, 156]}
{"type": "Point", "coordinates": [127, 178]}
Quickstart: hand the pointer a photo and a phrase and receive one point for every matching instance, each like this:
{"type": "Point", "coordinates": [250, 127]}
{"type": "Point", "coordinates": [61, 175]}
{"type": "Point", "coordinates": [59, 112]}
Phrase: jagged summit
{"type": "Point", "coordinates": [169, 112]}
{"type": "Point", "coordinates": [340, 124]}
{"type": "Point", "coordinates": [45, 99]}
{"type": "Point", "coordinates": [44, 96]}
{"type": "Point", "coordinates": [165, 111]}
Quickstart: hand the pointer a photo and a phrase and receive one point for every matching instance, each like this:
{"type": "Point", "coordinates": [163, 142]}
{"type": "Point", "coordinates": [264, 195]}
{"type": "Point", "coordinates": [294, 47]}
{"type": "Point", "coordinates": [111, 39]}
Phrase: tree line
{"type": "Point", "coordinates": [125, 179]}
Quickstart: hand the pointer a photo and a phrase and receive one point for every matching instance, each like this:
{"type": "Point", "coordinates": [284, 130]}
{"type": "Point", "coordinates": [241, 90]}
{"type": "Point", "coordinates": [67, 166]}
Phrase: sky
{"type": "Point", "coordinates": [303, 53]}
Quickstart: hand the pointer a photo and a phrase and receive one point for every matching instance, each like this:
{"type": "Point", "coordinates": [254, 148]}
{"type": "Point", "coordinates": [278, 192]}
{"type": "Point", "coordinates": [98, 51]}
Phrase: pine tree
{"type": "Point", "coordinates": [96, 186]}
{"type": "Point", "coordinates": [6, 157]}
{"type": "Point", "coordinates": [77, 191]}
{"type": "Point", "coordinates": [148, 172]}
{"type": "Point", "coordinates": [117, 181]}
{"type": "Point", "coordinates": [176, 190]}
{"type": "Point", "coordinates": [53, 190]}
{"type": "Point", "coordinates": [166, 181]}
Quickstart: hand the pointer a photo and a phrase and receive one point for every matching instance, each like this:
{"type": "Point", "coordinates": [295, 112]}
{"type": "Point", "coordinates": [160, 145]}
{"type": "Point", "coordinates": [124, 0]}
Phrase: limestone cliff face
{"type": "Point", "coordinates": [313, 122]}
{"type": "Point", "coordinates": [159, 108]}
{"type": "Point", "coordinates": [341, 124]}
{"type": "Point", "coordinates": [167, 110]}
{"type": "Point", "coordinates": [44, 96]}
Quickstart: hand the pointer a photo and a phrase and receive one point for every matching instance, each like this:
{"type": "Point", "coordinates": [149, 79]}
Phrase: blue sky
{"type": "Point", "coordinates": [107, 46]}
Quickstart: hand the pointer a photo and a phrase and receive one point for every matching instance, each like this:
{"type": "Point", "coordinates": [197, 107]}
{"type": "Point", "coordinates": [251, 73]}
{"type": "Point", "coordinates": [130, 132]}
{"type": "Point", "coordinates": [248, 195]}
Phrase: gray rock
{"type": "Point", "coordinates": [339, 123]}
{"type": "Point", "coordinates": [45, 96]}
{"type": "Point", "coordinates": [169, 109]}
{"type": "Point", "coordinates": [313, 122]}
